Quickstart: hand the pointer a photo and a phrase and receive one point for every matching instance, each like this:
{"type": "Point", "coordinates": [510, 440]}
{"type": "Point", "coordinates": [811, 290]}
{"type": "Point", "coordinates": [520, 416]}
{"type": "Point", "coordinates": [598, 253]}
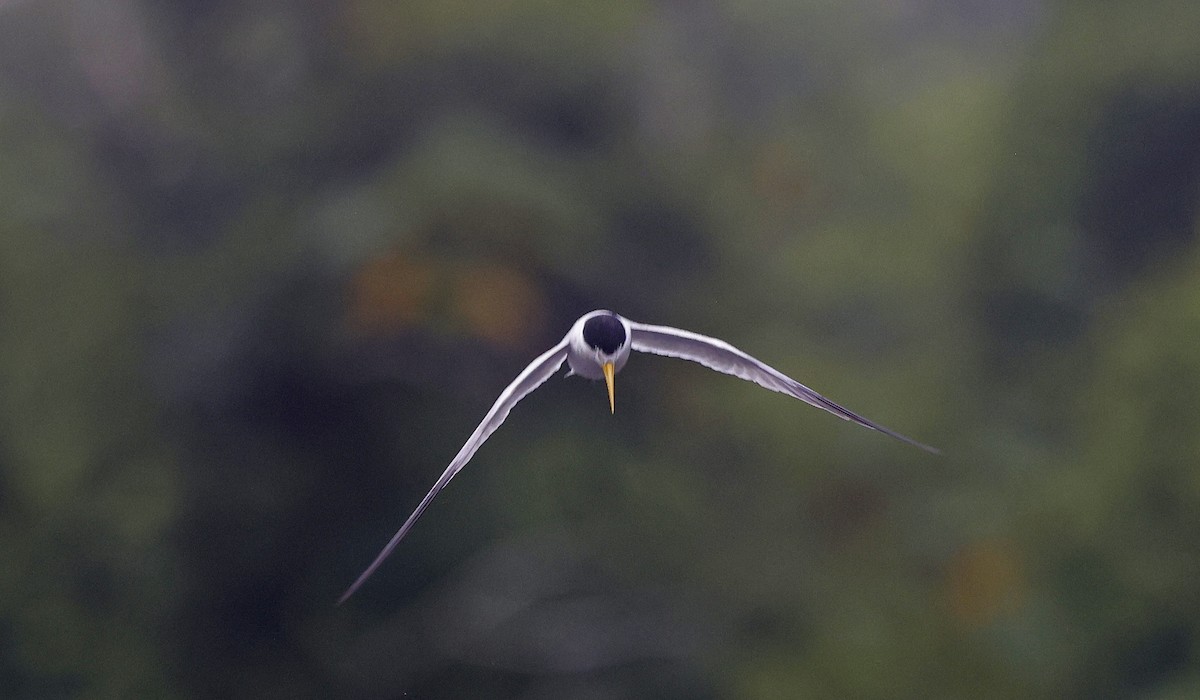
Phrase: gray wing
{"type": "Point", "coordinates": [531, 378]}
{"type": "Point", "coordinates": [723, 357]}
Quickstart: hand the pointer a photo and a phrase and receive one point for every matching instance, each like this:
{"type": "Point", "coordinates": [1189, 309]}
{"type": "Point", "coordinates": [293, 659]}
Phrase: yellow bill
{"type": "Point", "coordinates": [609, 370]}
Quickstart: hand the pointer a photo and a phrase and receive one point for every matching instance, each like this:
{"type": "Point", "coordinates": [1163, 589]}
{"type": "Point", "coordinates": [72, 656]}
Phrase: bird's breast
{"type": "Point", "coordinates": [587, 365]}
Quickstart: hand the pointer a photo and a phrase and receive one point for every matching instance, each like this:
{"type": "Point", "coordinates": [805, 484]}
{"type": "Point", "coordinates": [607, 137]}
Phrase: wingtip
{"type": "Point", "coordinates": [906, 439]}
{"type": "Point", "coordinates": [346, 596]}
{"type": "Point", "coordinates": [928, 448]}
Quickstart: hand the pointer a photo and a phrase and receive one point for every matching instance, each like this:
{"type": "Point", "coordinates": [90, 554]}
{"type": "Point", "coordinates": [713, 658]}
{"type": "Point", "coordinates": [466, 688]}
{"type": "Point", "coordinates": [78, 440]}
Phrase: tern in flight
{"type": "Point", "coordinates": [597, 347]}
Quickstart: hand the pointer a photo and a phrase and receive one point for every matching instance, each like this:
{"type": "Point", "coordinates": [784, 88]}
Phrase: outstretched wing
{"type": "Point", "coordinates": [723, 357]}
{"type": "Point", "coordinates": [531, 378]}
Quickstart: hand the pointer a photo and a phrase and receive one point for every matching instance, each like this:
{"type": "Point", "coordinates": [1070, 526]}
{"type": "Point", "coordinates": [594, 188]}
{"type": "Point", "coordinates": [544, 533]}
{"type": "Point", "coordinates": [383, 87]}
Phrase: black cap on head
{"type": "Point", "coordinates": [605, 332]}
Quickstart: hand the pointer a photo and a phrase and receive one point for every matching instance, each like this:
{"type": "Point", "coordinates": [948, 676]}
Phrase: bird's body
{"type": "Point", "coordinates": [597, 347]}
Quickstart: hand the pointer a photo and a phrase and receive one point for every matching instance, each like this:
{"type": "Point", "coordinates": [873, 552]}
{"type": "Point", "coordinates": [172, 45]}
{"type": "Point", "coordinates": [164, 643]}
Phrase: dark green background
{"type": "Point", "coordinates": [263, 266]}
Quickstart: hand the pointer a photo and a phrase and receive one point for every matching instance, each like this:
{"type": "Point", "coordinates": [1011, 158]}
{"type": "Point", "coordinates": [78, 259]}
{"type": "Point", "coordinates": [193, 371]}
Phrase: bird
{"type": "Point", "coordinates": [597, 347]}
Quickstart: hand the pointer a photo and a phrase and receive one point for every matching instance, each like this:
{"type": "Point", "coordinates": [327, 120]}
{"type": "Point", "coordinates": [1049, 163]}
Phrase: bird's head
{"type": "Point", "coordinates": [606, 340]}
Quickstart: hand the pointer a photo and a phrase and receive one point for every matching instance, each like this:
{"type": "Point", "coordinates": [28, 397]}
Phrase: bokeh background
{"type": "Point", "coordinates": [263, 267]}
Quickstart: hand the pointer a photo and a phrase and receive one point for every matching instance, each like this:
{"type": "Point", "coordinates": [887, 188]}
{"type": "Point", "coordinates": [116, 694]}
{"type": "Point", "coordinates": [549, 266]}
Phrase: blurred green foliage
{"type": "Point", "coordinates": [263, 267]}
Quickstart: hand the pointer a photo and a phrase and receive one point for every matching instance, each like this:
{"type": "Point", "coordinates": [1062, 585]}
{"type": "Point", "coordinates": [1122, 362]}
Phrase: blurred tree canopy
{"type": "Point", "coordinates": [263, 268]}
